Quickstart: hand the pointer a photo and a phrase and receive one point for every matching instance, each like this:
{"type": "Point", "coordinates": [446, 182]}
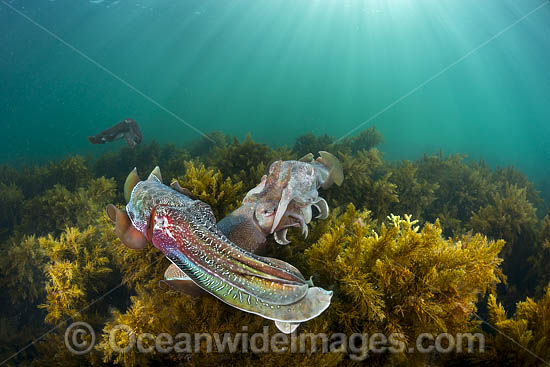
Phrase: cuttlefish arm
{"type": "Point", "coordinates": [128, 234]}
{"type": "Point", "coordinates": [299, 191]}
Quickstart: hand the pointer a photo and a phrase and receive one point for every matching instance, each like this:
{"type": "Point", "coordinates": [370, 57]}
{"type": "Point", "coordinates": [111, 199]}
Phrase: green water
{"type": "Point", "coordinates": [278, 69]}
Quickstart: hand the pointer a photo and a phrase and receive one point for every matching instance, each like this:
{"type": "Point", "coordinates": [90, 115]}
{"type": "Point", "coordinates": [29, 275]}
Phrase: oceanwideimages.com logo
{"type": "Point", "coordinates": [80, 339]}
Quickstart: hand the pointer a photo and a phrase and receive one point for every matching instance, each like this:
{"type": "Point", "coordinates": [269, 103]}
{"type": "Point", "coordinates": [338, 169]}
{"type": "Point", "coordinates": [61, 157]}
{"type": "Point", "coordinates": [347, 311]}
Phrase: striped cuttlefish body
{"type": "Point", "coordinates": [204, 259]}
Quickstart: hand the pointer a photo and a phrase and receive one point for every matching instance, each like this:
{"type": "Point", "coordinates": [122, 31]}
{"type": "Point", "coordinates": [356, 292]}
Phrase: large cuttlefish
{"type": "Point", "coordinates": [219, 258]}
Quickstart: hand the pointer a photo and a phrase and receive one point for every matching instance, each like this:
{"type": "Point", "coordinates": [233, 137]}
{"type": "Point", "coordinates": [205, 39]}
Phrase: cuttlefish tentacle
{"type": "Point", "coordinates": [322, 207]}
{"type": "Point", "coordinates": [299, 182]}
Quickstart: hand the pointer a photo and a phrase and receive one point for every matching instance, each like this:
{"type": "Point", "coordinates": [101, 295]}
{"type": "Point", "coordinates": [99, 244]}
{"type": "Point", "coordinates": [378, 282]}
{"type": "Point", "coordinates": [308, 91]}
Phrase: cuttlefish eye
{"type": "Point", "coordinates": [268, 212]}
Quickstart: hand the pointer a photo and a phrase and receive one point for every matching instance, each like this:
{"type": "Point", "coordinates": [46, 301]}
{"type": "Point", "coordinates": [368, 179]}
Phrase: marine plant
{"type": "Point", "coordinates": [246, 161]}
{"type": "Point", "coordinates": [400, 278]}
{"type": "Point", "coordinates": [205, 144]}
{"type": "Point", "coordinates": [462, 189]}
{"type": "Point", "coordinates": [145, 157]}
{"type": "Point", "coordinates": [21, 269]}
{"type": "Point", "coordinates": [309, 143]}
{"type": "Point", "coordinates": [415, 194]}
{"type": "Point", "coordinates": [519, 340]}
{"type": "Point", "coordinates": [367, 139]}
{"type": "Point", "coordinates": [387, 274]}
{"type": "Point", "coordinates": [238, 157]}
{"type": "Point", "coordinates": [209, 186]}
{"type": "Point", "coordinates": [367, 184]}
{"type": "Point", "coordinates": [59, 207]}
{"type": "Point", "coordinates": [11, 202]}
{"type": "Point", "coordinates": [77, 271]}
{"type": "Point", "coordinates": [512, 217]}
{"type": "Point", "coordinates": [507, 216]}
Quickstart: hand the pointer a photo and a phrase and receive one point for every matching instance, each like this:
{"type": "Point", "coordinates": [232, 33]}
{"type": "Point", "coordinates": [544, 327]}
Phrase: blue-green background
{"type": "Point", "coordinates": [278, 69]}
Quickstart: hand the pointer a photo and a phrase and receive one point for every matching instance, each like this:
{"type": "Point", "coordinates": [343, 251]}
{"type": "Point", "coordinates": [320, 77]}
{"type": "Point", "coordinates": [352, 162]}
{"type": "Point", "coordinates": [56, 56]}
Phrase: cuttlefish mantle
{"type": "Point", "coordinates": [185, 231]}
{"type": "Point", "coordinates": [127, 129]}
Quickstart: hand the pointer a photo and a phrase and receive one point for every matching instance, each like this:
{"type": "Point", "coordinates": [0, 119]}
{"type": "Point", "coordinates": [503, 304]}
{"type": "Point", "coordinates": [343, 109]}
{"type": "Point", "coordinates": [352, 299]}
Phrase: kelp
{"type": "Point", "coordinates": [77, 271]}
{"type": "Point", "coordinates": [507, 215]}
{"type": "Point", "coordinates": [519, 340]}
{"type": "Point", "coordinates": [21, 264]}
{"type": "Point", "coordinates": [367, 184]}
{"type": "Point", "coordinates": [462, 189]}
{"type": "Point", "coordinates": [415, 193]}
{"type": "Point", "coordinates": [205, 144]}
{"type": "Point", "coordinates": [209, 186]}
{"type": "Point", "coordinates": [59, 207]}
{"type": "Point", "coordinates": [309, 143]}
{"type": "Point", "coordinates": [366, 140]}
{"type": "Point", "coordinates": [388, 274]}
{"type": "Point", "coordinates": [72, 172]}
{"type": "Point", "coordinates": [245, 161]}
{"type": "Point", "coordinates": [400, 278]}
{"type": "Point", "coordinates": [11, 202]}
{"type": "Point", "coordinates": [237, 157]}
{"type": "Point", "coordinates": [539, 261]}
{"type": "Point", "coordinates": [512, 217]}
{"type": "Point", "coordinates": [144, 157]}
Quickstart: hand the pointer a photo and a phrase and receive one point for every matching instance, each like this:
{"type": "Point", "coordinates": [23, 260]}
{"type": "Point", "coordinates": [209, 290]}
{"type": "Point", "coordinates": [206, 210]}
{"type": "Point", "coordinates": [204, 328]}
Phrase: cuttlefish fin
{"type": "Point", "coordinates": [124, 229]}
{"type": "Point", "coordinates": [130, 183]}
{"type": "Point", "coordinates": [182, 190]}
{"type": "Point", "coordinates": [307, 158]}
{"type": "Point", "coordinates": [287, 327]}
{"type": "Point", "coordinates": [336, 172]}
{"type": "Point", "coordinates": [178, 280]}
{"type": "Point", "coordinates": [155, 174]}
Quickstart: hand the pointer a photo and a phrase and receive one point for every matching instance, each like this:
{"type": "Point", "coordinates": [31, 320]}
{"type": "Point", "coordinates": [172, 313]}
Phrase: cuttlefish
{"type": "Point", "coordinates": [219, 258]}
{"type": "Point", "coordinates": [127, 129]}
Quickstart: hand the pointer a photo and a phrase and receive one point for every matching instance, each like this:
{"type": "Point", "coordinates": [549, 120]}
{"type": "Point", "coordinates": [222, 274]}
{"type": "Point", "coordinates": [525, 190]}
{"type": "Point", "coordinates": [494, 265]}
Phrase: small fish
{"type": "Point", "coordinates": [127, 129]}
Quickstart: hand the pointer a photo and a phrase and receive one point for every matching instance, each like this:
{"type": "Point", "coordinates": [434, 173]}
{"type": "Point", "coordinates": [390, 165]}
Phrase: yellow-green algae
{"type": "Point", "coordinates": [389, 273]}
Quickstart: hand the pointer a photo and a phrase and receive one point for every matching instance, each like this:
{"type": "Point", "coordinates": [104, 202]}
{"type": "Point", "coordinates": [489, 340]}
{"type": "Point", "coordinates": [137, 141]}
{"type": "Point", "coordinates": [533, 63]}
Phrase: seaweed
{"type": "Point", "coordinates": [400, 278]}
{"type": "Point", "coordinates": [367, 139]}
{"type": "Point", "coordinates": [21, 271]}
{"type": "Point", "coordinates": [367, 184]}
{"type": "Point", "coordinates": [145, 157]}
{"type": "Point", "coordinates": [11, 202]}
{"type": "Point", "coordinates": [309, 143]}
{"type": "Point", "coordinates": [238, 157]}
{"type": "Point", "coordinates": [209, 186]}
{"type": "Point", "coordinates": [59, 207]}
{"type": "Point", "coordinates": [246, 162]}
{"type": "Point", "coordinates": [521, 339]}
{"type": "Point", "coordinates": [415, 194]}
{"type": "Point", "coordinates": [388, 272]}
{"type": "Point", "coordinates": [77, 271]}
{"type": "Point", "coordinates": [205, 144]}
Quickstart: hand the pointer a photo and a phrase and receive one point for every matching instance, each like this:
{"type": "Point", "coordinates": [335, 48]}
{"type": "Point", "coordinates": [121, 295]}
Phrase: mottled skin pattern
{"type": "Point", "coordinates": [216, 258]}
{"type": "Point", "coordinates": [283, 199]}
